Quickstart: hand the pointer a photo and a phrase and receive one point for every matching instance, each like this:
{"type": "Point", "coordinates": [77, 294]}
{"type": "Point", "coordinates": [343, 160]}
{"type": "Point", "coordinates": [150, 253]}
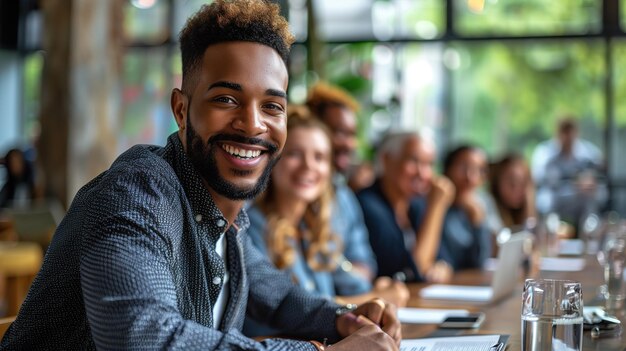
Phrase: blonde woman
{"type": "Point", "coordinates": [291, 222]}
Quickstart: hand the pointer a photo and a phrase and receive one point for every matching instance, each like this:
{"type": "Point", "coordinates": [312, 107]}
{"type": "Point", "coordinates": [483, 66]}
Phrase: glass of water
{"type": "Point", "coordinates": [552, 315]}
{"type": "Point", "coordinates": [614, 265]}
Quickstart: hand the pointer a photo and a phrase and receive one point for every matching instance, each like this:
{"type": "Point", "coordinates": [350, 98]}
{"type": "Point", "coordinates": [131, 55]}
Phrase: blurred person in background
{"type": "Point", "coordinates": [153, 253]}
{"type": "Point", "coordinates": [337, 109]}
{"type": "Point", "coordinates": [568, 172]}
{"type": "Point", "coordinates": [513, 192]}
{"type": "Point", "coordinates": [291, 223]}
{"type": "Point", "coordinates": [19, 188]}
{"type": "Point", "coordinates": [466, 239]}
{"type": "Point", "coordinates": [405, 208]}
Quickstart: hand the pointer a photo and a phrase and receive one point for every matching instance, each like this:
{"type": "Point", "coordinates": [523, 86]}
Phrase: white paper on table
{"type": "Point", "coordinates": [560, 264]}
{"type": "Point", "coordinates": [457, 343]}
{"type": "Point", "coordinates": [427, 315]}
{"type": "Point", "coordinates": [457, 292]}
{"type": "Point", "coordinates": [572, 247]}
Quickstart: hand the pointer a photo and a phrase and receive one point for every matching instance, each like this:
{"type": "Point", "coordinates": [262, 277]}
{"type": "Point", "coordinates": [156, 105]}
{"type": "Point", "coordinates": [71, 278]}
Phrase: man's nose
{"type": "Point", "coordinates": [250, 121]}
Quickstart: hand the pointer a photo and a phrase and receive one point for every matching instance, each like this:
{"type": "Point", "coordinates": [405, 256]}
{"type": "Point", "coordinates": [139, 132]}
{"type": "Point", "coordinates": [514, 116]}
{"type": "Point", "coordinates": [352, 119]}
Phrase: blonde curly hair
{"type": "Point", "coordinates": [282, 237]}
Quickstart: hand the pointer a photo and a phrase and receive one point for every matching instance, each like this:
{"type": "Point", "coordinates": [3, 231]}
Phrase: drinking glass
{"type": "Point", "coordinates": [609, 231]}
{"type": "Point", "coordinates": [614, 264]}
{"type": "Point", "coordinates": [590, 233]}
{"type": "Point", "coordinates": [552, 315]}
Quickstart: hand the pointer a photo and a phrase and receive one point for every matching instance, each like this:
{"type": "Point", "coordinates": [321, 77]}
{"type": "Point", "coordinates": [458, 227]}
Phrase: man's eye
{"type": "Point", "coordinates": [224, 99]}
{"type": "Point", "coordinates": [276, 107]}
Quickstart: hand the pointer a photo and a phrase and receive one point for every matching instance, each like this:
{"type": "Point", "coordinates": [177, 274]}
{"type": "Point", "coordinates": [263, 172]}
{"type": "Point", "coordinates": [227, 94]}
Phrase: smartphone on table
{"type": "Point", "coordinates": [471, 321]}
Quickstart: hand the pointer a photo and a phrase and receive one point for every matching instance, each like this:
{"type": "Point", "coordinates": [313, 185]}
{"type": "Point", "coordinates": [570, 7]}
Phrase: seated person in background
{"type": "Point", "coordinates": [153, 253]}
{"type": "Point", "coordinates": [290, 223]}
{"type": "Point", "coordinates": [466, 240]}
{"type": "Point", "coordinates": [405, 207]}
{"type": "Point", "coordinates": [337, 109]}
{"type": "Point", "coordinates": [567, 171]}
{"type": "Point", "coordinates": [513, 193]}
{"type": "Point", "coordinates": [20, 180]}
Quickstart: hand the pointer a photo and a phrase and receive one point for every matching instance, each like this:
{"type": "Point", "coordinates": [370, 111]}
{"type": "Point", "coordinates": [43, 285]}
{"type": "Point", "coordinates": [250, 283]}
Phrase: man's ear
{"type": "Point", "coordinates": [179, 103]}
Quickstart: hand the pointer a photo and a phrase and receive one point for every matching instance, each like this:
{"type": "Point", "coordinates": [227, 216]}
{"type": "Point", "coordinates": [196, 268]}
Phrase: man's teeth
{"type": "Point", "coordinates": [241, 153]}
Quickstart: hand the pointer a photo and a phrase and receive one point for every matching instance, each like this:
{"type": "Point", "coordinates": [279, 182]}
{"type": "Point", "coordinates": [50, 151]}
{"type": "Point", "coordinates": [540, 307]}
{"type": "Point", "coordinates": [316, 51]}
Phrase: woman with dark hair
{"type": "Point", "coordinates": [513, 192]}
{"type": "Point", "coordinates": [466, 240]}
{"type": "Point", "coordinates": [20, 181]}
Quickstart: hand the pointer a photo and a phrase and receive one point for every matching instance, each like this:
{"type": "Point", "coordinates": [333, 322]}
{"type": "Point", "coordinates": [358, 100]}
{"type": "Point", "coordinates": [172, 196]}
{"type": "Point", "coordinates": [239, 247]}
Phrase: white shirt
{"type": "Point", "coordinates": [222, 298]}
{"type": "Point", "coordinates": [548, 151]}
{"type": "Point", "coordinates": [553, 174]}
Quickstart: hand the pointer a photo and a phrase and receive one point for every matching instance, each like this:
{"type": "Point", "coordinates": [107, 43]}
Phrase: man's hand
{"type": "Point", "coordinates": [375, 313]}
{"type": "Point", "coordinates": [440, 272]}
{"type": "Point", "coordinates": [369, 337]}
{"type": "Point", "coordinates": [441, 192]}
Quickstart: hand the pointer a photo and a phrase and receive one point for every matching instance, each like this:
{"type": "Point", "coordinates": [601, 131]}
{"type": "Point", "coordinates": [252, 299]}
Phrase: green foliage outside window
{"type": "Point", "coordinates": [527, 17]}
{"type": "Point", "coordinates": [511, 94]}
{"type": "Point", "coordinates": [33, 66]}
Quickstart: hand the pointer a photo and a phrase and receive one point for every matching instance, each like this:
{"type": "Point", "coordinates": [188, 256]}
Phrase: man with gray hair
{"type": "Point", "coordinates": [405, 208]}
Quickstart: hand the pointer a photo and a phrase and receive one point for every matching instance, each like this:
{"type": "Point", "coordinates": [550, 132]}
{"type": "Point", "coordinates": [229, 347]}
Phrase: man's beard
{"type": "Point", "coordinates": [202, 156]}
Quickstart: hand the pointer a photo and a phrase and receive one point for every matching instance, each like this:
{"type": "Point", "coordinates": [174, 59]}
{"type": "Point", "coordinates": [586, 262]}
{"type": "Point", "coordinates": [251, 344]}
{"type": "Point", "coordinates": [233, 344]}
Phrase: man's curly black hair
{"type": "Point", "coordinates": [232, 20]}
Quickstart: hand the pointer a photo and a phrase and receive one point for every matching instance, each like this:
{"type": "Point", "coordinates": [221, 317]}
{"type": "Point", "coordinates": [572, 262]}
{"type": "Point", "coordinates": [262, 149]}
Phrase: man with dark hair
{"type": "Point", "coordinates": [153, 253]}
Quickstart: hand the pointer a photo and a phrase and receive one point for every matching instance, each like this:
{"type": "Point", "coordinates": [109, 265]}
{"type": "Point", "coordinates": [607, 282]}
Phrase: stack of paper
{"type": "Point", "coordinates": [457, 343]}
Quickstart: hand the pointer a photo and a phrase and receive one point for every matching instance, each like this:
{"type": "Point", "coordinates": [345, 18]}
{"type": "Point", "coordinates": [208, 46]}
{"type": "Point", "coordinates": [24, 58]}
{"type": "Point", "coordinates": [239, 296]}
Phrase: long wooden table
{"type": "Point", "coordinates": [503, 317]}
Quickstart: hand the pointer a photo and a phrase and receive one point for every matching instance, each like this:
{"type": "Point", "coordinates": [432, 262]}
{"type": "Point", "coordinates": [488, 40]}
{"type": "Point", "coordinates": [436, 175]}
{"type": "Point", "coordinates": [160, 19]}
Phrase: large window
{"type": "Point", "coordinates": [152, 68]}
{"type": "Point", "coordinates": [367, 19]}
{"type": "Point", "coordinates": [31, 94]}
{"type": "Point", "coordinates": [507, 95]}
{"type": "Point", "coordinates": [527, 17]}
{"type": "Point", "coordinates": [146, 115]}
{"type": "Point", "coordinates": [146, 21]}
{"type": "Point", "coordinates": [617, 131]}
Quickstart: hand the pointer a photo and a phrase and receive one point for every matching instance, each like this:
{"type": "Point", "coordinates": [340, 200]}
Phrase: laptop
{"type": "Point", "coordinates": [505, 278]}
{"type": "Point", "coordinates": [36, 223]}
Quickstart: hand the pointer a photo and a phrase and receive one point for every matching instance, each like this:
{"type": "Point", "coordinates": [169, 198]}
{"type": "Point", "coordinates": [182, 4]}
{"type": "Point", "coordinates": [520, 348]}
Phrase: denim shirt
{"type": "Point", "coordinates": [463, 244]}
{"type": "Point", "coordinates": [322, 283]}
{"type": "Point", "coordinates": [348, 222]}
{"type": "Point", "coordinates": [133, 266]}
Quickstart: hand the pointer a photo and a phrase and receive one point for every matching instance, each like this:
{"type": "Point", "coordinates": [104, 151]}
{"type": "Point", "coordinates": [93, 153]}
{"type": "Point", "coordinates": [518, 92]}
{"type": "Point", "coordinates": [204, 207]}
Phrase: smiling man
{"type": "Point", "coordinates": [153, 253]}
